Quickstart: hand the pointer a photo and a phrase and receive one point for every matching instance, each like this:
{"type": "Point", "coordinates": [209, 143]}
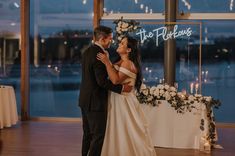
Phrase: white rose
{"type": "Point", "coordinates": [118, 28]}
{"type": "Point", "coordinates": [161, 91]}
{"type": "Point", "coordinates": [125, 25]}
{"type": "Point", "coordinates": [119, 24]}
{"type": "Point", "coordinates": [145, 92]}
{"type": "Point", "coordinates": [124, 29]}
{"type": "Point", "coordinates": [167, 87]}
{"type": "Point", "coordinates": [183, 97]}
{"type": "Point", "coordinates": [152, 89]}
{"type": "Point", "coordinates": [167, 96]}
{"type": "Point", "coordinates": [173, 89]}
{"type": "Point", "coordinates": [160, 86]}
{"type": "Point", "coordinates": [191, 98]}
{"type": "Point", "coordinates": [156, 92]}
{"type": "Point", "coordinates": [119, 38]}
{"type": "Point", "coordinates": [150, 99]}
{"type": "Point", "coordinates": [173, 94]}
{"type": "Point", "coordinates": [208, 98]}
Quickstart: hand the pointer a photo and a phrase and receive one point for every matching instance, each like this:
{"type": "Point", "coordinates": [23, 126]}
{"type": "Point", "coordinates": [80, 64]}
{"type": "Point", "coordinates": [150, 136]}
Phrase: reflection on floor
{"type": "Point", "coordinates": [51, 138]}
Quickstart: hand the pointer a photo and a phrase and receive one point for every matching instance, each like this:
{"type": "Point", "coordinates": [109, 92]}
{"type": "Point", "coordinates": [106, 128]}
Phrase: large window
{"type": "Point", "coordinates": [10, 46]}
{"type": "Point", "coordinates": [61, 30]}
{"type": "Point", "coordinates": [217, 55]}
{"type": "Point", "coordinates": [218, 67]}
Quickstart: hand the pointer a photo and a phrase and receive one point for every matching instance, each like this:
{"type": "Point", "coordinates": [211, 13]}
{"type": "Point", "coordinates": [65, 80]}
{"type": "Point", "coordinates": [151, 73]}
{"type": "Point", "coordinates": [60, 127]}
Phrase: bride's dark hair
{"type": "Point", "coordinates": [134, 56]}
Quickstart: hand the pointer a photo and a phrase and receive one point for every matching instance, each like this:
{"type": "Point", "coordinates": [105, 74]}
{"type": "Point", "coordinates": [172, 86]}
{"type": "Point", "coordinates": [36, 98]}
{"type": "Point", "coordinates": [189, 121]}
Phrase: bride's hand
{"type": "Point", "coordinates": [103, 58]}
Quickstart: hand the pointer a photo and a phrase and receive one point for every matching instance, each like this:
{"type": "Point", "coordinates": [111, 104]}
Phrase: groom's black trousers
{"type": "Point", "coordinates": [94, 125]}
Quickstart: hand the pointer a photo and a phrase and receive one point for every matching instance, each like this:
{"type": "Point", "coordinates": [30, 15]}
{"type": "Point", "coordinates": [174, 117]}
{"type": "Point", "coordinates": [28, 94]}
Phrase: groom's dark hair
{"type": "Point", "coordinates": [101, 31]}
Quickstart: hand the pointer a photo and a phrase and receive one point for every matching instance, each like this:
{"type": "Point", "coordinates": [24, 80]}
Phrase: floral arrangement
{"type": "Point", "coordinates": [181, 102]}
{"type": "Point", "coordinates": [124, 27]}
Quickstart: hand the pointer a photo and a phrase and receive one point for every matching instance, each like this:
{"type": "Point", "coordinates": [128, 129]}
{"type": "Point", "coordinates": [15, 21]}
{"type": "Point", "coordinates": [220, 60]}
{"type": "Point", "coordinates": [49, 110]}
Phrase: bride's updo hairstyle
{"type": "Point", "coordinates": [134, 56]}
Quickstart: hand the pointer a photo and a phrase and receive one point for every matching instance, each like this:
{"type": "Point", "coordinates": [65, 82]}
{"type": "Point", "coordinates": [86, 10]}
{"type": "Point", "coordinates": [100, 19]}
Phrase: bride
{"type": "Point", "coordinates": [127, 130]}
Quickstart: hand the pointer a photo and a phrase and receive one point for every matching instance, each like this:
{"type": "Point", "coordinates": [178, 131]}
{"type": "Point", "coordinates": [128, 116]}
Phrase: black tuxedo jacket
{"type": "Point", "coordinates": [95, 83]}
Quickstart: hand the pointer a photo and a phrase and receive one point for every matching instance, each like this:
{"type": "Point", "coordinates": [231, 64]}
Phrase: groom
{"type": "Point", "coordinates": [94, 88]}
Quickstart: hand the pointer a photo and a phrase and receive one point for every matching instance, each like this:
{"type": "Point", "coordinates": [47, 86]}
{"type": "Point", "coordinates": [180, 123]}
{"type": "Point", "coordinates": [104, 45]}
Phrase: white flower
{"type": "Point", "coordinates": [198, 95]}
{"type": "Point", "coordinates": [124, 29]}
{"type": "Point", "coordinates": [208, 98]}
{"type": "Point", "coordinates": [145, 92]}
{"type": "Point", "coordinates": [174, 103]}
{"type": "Point", "coordinates": [191, 98]}
{"type": "Point", "coordinates": [156, 92]}
{"type": "Point", "coordinates": [118, 28]}
{"type": "Point", "coordinates": [173, 89]}
{"type": "Point", "coordinates": [160, 86]}
{"type": "Point", "coordinates": [119, 31]}
{"type": "Point", "coordinates": [119, 23]}
{"type": "Point", "coordinates": [183, 97]}
{"type": "Point", "coordinates": [161, 91]}
{"type": "Point", "coordinates": [150, 98]}
{"type": "Point", "coordinates": [167, 87]}
{"type": "Point", "coordinates": [167, 96]}
{"type": "Point", "coordinates": [143, 86]}
{"type": "Point", "coordinates": [152, 89]}
{"type": "Point", "coordinates": [173, 94]}
{"type": "Point", "coordinates": [125, 25]}
{"type": "Point", "coordinates": [119, 38]}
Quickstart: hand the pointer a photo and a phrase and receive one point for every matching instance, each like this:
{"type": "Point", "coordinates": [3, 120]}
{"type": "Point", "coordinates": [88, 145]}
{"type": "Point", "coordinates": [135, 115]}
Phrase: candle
{"type": "Point", "coordinates": [207, 146]}
{"type": "Point", "coordinates": [191, 87]}
{"type": "Point", "coordinates": [206, 73]}
{"type": "Point", "coordinates": [176, 85]}
{"type": "Point", "coordinates": [196, 87]}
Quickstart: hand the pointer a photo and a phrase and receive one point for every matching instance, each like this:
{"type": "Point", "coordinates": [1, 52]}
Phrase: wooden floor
{"type": "Point", "coordinates": [40, 138]}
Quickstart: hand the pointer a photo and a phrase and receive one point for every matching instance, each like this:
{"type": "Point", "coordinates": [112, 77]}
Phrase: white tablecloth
{"type": "Point", "coordinates": [8, 110]}
{"type": "Point", "coordinates": [173, 130]}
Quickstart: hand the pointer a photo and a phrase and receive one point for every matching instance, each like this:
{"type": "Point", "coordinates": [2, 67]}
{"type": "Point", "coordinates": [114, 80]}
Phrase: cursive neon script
{"type": "Point", "coordinates": [162, 32]}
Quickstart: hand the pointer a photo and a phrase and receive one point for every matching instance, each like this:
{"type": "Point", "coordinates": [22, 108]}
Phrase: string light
{"type": "Point", "coordinates": [187, 4]}
{"type": "Point", "coordinates": [146, 9]}
{"type": "Point", "coordinates": [231, 5]}
{"type": "Point", "coordinates": [16, 5]}
{"type": "Point", "coordinates": [84, 2]}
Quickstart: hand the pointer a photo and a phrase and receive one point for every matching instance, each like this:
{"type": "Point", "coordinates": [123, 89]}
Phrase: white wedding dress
{"type": "Point", "coordinates": [127, 129]}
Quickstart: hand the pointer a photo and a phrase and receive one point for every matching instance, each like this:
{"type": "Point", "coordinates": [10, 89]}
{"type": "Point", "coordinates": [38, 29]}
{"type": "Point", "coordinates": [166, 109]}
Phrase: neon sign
{"type": "Point", "coordinates": [162, 32]}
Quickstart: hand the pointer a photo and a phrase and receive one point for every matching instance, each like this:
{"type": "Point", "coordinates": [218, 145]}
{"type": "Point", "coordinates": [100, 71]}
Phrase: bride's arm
{"type": "Point", "coordinates": [115, 76]}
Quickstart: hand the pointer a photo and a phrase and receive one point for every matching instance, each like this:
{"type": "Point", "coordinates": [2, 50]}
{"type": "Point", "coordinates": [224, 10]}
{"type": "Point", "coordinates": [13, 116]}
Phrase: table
{"type": "Point", "coordinates": [8, 109]}
{"type": "Point", "coordinates": [174, 130]}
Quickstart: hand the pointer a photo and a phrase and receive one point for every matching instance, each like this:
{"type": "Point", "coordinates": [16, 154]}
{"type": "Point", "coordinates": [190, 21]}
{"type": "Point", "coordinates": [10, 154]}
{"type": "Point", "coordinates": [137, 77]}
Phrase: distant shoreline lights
{"type": "Point", "coordinates": [162, 32]}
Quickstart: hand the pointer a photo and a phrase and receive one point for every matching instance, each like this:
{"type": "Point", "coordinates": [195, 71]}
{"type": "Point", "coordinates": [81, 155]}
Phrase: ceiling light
{"type": "Point", "coordinates": [16, 5]}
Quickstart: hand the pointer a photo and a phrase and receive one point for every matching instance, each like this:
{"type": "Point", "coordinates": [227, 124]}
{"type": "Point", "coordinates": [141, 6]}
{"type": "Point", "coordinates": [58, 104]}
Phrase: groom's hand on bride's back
{"type": "Point", "coordinates": [126, 87]}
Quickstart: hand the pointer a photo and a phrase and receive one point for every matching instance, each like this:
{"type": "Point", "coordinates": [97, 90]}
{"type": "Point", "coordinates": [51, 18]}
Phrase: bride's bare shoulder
{"type": "Point", "coordinates": [119, 62]}
{"type": "Point", "coordinates": [129, 65]}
